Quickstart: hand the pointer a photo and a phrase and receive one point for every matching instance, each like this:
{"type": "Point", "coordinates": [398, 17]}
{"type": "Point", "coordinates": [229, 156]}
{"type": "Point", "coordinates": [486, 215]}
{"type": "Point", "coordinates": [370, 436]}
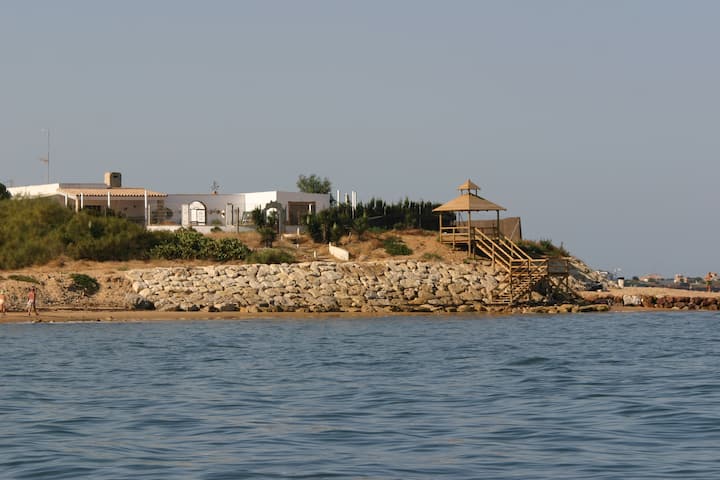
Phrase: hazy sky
{"type": "Point", "coordinates": [596, 122]}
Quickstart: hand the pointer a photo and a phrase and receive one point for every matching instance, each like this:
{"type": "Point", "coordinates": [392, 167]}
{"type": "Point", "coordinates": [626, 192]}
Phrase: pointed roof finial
{"type": "Point", "coordinates": [469, 185]}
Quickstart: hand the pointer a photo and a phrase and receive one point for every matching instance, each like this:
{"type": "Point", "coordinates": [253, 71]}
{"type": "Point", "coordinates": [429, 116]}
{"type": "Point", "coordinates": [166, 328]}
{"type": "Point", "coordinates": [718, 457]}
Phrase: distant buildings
{"type": "Point", "coordinates": [652, 278]}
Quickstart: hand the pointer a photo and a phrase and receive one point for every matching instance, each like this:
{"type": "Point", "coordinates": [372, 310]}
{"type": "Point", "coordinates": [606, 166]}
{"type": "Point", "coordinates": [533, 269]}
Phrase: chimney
{"type": "Point", "coordinates": [113, 179]}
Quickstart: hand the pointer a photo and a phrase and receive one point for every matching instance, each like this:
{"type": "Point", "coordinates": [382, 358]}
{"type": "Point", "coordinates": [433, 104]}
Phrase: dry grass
{"type": "Point", "coordinates": [368, 248]}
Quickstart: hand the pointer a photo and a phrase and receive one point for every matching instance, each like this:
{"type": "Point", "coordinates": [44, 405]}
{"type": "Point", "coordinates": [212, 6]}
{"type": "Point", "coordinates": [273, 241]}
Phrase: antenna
{"type": "Point", "coordinates": [46, 159]}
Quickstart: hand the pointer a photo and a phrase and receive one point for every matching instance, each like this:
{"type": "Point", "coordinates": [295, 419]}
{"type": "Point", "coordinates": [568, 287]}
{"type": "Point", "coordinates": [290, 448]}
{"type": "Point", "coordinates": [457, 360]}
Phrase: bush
{"type": "Point", "coordinates": [542, 248]}
{"type": "Point", "coordinates": [360, 225]}
{"type": "Point", "coordinates": [395, 246]}
{"type": "Point", "coordinates": [4, 194]}
{"type": "Point", "coordinates": [97, 238]}
{"type": "Point", "coordinates": [35, 231]}
{"type": "Point", "coordinates": [267, 235]}
{"type": "Point", "coordinates": [271, 255]}
{"type": "Point", "coordinates": [375, 216]}
{"type": "Point", "coordinates": [28, 232]}
{"type": "Point", "coordinates": [226, 249]}
{"type": "Point", "coordinates": [187, 244]}
{"type": "Point", "coordinates": [85, 284]}
{"type": "Point", "coordinates": [23, 278]}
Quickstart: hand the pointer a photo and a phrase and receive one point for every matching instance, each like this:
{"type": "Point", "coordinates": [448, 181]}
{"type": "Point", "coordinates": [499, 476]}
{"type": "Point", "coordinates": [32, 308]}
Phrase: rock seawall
{"type": "Point", "coordinates": [671, 302]}
{"type": "Point", "coordinates": [396, 286]}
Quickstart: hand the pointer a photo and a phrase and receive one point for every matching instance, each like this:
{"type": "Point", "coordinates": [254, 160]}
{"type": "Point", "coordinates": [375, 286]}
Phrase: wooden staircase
{"type": "Point", "coordinates": [524, 273]}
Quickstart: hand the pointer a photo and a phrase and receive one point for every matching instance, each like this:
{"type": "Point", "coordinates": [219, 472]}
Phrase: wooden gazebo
{"type": "Point", "coordinates": [524, 274]}
{"type": "Point", "coordinates": [469, 201]}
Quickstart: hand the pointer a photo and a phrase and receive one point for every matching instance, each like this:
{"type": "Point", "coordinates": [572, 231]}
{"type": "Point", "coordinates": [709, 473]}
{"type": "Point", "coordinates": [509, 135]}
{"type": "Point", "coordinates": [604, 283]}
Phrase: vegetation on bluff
{"type": "Point", "coordinates": [36, 231]}
{"type": "Point", "coordinates": [332, 224]}
{"type": "Point", "coordinates": [191, 245]}
{"type": "Point", "coordinates": [543, 248]}
{"type": "Point", "coordinates": [4, 193]}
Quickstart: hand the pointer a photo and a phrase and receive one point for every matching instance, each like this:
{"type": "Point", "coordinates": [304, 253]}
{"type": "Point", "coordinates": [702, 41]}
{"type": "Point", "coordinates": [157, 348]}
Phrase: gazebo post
{"type": "Point", "coordinates": [470, 234]}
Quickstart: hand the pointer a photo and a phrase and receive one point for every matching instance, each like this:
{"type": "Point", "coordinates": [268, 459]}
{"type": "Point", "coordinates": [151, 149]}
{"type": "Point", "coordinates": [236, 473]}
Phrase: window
{"type": "Point", "coordinates": [197, 213]}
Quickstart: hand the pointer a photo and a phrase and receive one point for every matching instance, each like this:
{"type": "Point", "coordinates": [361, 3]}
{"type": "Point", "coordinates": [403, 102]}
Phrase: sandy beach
{"type": "Point", "coordinates": [116, 315]}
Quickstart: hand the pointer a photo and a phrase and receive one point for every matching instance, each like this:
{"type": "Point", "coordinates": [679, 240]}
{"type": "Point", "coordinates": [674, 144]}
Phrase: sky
{"type": "Point", "coordinates": [596, 122]}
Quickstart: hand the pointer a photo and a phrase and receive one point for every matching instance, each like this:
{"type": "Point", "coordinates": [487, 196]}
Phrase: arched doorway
{"type": "Point", "coordinates": [197, 212]}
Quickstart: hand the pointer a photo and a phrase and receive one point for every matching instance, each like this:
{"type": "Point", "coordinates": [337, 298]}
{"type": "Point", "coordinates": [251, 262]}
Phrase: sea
{"type": "Point", "coordinates": [587, 396]}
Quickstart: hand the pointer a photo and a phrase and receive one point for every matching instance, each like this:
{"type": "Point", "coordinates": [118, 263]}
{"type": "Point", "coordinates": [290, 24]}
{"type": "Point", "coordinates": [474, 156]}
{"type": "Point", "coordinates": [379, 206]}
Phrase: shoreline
{"type": "Point", "coordinates": [151, 316]}
{"type": "Point", "coordinates": [319, 290]}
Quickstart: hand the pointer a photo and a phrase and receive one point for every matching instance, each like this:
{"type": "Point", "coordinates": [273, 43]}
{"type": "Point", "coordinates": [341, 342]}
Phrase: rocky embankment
{"type": "Point", "coordinates": [663, 301]}
{"type": "Point", "coordinates": [382, 286]}
{"type": "Point", "coordinates": [388, 286]}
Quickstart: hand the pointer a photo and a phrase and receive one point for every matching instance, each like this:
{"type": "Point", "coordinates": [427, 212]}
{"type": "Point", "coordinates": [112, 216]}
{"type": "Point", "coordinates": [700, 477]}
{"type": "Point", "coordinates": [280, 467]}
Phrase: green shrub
{"type": "Point", "coordinates": [85, 284]}
{"type": "Point", "coordinates": [271, 255]}
{"type": "Point", "coordinates": [267, 235]}
{"type": "Point", "coordinates": [542, 248]}
{"type": "Point", "coordinates": [184, 244]}
{"type": "Point", "coordinates": [395, 246]}
{"type": "Point", "coordinates": [24, 278]}
{"type": "Point", "coordinates": [360, 225]}
{"type": "Point", "coordinates": [99, 238]}
{"type": "Point", "coordinates": [4, 193]}
{"type": "Point", "coordinates": [430, 257]}
{"type": "Point", "coordinates": [27, 232]}
{"type": "Point", "coordinates": [187, 244]}
{"type": "Point", "coordinates": [35, 231]}
{"type": "Point", "coordinates": [227, 249]}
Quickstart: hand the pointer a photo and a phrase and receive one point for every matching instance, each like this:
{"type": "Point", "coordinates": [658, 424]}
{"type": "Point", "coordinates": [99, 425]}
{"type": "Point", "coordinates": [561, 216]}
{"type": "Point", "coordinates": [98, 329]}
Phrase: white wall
{"type": "Point", "coordinates": [259, 199]}
{"type": "Point", "coordinates": [246, 202]}
{"type": "Point", "coordinates": [35, 190]}
{"type": "Point", "coordinates": [322, 200]}
{"type": "Point", "coordinates": [174, 202]}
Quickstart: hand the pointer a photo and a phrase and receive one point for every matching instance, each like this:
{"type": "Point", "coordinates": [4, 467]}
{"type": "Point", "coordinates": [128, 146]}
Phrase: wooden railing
{"type": "Point", "coordinates": [454, 235]}
{"type": "Point", "coordinates": [523, 271]}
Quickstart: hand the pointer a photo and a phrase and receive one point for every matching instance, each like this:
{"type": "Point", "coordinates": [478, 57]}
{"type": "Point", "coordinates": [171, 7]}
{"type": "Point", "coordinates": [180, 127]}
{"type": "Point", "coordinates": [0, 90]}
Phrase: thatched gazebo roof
{"type": "Point", "coordinates": [469, 201]}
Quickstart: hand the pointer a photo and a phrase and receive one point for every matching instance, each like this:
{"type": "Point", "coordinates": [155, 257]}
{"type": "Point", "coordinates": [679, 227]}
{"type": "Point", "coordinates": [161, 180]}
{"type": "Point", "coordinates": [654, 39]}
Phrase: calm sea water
{"type": "Point", "coordinates": [559, 397]}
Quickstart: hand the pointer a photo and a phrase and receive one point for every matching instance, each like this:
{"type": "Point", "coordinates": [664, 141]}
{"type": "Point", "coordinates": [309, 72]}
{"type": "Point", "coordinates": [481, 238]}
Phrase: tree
{"type": "Point", "coordinates": [266, 226]}
{"type": "Point", "coordinates": [4, 194]}
{"type": "Point", "coordinates": [313, 184]}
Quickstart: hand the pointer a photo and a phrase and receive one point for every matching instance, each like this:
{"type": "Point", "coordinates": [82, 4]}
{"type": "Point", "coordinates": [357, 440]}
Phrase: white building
{"type": "Point", "coordinates": [233, 210]}
{"type": "Point", "coordinates": [157, 210]}
{"type": "Point", "coordinates": [135, 203]}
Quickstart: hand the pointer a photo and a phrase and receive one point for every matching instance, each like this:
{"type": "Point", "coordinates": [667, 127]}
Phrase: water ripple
{"type": "Point", "coordinates": [611, 396]}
